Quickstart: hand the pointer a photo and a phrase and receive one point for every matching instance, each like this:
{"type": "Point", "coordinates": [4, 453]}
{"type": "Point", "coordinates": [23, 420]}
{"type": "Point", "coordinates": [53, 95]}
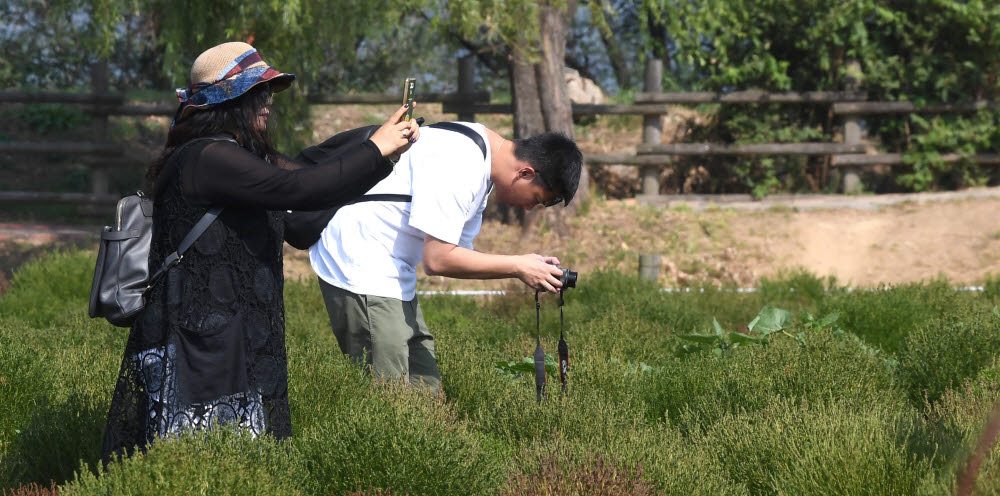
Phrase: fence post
{"type": "Point", "coordinates": [850, 177]}
{"type": "Point", "coordinates": [652, 127]}
{"type": "Point", "coordinates": [467, 84]}
{"type": "Point", "coordinates": [649, 267]}
{"type": "Point", "coordinates": [99, 181]}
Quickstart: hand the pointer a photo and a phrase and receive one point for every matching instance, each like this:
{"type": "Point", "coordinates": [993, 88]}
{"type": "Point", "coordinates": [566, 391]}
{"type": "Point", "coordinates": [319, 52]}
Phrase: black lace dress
{"type": "Point", "coordinates": [209, 346]}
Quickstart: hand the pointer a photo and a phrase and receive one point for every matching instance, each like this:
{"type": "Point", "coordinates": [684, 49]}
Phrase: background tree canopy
{"type": "Point", "coordinates": [918, 50]}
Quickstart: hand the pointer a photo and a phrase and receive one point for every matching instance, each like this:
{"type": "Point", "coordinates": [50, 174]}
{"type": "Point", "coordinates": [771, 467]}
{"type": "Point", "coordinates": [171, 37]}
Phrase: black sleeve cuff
{"type": "Point", "coordinates": [383, 162]}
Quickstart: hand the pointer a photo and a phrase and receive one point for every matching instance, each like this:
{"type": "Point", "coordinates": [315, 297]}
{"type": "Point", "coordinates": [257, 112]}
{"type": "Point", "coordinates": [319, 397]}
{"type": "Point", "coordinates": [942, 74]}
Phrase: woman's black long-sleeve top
{"type": "Point", "coordinates": [223, 174]}
{"type": "Point", "coordinates": [210, 343]}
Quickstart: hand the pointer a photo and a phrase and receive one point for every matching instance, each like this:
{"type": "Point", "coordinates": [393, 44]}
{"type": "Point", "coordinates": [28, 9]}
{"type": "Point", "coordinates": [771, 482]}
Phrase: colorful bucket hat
{"type": "Point", "coordinates": [225, 72]}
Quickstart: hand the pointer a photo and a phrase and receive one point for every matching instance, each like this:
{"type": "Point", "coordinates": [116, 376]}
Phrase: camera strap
{"type": "Point", "coordinates": [563, 347]}
{"type": "Point", "coordinates": [539, 354]}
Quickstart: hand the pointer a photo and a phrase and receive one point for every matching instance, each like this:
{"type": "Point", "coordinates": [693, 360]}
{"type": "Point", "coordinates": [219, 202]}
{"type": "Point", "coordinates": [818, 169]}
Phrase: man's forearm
{"type": "Point", "coordinates": [461, 263]}
{"type": "Point", "coordinates": [445, 259]}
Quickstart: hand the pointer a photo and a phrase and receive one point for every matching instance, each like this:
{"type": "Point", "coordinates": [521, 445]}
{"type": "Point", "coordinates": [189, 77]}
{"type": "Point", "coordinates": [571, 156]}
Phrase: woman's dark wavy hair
{"type": "Point", "coordinates": [236, 116]}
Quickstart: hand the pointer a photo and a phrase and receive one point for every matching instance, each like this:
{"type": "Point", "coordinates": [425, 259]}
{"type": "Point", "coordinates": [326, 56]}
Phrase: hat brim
{"type": "Point", "coordinates": [237, 86]}
{"type": "Point", "coordinates": [280, 82]}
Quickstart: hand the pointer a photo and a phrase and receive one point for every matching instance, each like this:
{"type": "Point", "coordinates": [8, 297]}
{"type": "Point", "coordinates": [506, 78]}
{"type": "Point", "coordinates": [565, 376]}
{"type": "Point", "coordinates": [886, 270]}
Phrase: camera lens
{"type": "Point", "coordinates": [568, 279]}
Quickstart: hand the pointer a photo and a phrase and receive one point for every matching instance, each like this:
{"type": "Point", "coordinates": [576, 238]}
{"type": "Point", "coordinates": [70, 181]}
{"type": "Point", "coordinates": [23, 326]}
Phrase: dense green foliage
{"type": "Point", "coordinates": [923, 51]}
{"type": "Point", "coordinates": [865, 392]}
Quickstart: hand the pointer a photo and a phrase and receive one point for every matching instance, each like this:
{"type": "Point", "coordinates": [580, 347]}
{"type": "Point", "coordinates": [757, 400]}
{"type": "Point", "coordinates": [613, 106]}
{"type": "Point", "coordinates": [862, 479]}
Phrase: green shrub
{"type": "Point", "coordinates": [646, 461]}
{"type": "Point", "coordinates": [796, 288]}
{"type": "Point", "coordinates": [941, 353]}
{"type": "Point", "coordinates": [884, 317]}
{"type": "Point", "coordinates": [306, 320]}
{"type": "Point", "coordinates": [51, 289]}
{"type": "Point", "coordinates": [356, 435]}
{"type": "Point", "coordinates": [816, 412]}
{"type": "Point", "coordinates": [590, 476]}
{"type": "Point", "coordinates": [57, 436]}
{"type": "Point", "coordinates": [57, 370]}
{"type": "Point", "coordinates": [956, 423]}
{"type": "Point", "coordinates": [826, 447]}
{"type": "Point", "coordinates": [20, 372]}
{"type": "Point", "coordinates": [46, 118]}
{"type": "Point", "coordinates": [55, 385]}
{"type": "Point", "coordinates": [601, 415]}
{"type": "Point", "coordinates": [991, 287]}
{"type": "Point", "coordinates": [699, 390]}
{"type": "Point", "coordinates": [217, 462]}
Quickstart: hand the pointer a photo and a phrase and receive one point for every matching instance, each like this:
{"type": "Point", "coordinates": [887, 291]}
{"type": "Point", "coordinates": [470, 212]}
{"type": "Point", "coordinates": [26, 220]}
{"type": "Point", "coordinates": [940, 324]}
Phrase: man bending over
{"type": "Point", "coordinates": [367, 256]}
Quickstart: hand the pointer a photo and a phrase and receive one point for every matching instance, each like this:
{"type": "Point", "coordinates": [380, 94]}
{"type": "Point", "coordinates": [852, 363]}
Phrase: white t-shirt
{"type": "Point", "coordinates": [373, 248]}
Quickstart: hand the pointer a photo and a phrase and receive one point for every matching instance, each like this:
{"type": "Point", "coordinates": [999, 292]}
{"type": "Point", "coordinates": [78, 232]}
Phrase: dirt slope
{"type": "Point", "coordinates": [957, 239]}
{"type": "Point", "coordinates": [960, 240]}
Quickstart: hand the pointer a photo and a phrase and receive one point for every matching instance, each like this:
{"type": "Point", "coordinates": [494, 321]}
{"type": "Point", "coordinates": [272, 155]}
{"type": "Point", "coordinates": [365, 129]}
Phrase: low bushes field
{"type": "Point", "coordinates": [802, 387]}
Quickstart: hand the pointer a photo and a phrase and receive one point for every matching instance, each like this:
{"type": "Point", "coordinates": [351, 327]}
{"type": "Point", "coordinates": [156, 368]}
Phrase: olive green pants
{"type": "Point", "coordinates": [385, 334]}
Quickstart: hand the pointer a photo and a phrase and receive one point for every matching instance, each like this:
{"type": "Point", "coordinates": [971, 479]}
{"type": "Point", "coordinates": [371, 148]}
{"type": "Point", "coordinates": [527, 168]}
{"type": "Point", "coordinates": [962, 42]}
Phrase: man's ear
{"type": "Point", "coordinates": [526, 173]}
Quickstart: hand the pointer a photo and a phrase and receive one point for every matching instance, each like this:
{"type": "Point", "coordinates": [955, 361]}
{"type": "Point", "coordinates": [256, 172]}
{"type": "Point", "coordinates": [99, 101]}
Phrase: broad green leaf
{"type": "Point", "coordinates": [769, 319]}
{"type": "Point", "coordinates": [717, 327]}
{"type": "Point", "coordinates": [829, 320]}
{"type": "Point", "coordinates": [527, 365]}
{"type": "Point", "coordinates": [996, 310]}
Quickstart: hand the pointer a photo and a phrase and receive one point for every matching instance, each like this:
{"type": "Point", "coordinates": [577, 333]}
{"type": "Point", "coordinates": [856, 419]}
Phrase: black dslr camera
{"type": "Point", "coordinates": [568, 278]}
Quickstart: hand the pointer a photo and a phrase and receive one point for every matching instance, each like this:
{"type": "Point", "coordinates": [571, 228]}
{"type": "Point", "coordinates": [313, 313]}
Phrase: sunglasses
{"type": "Point", "coordinates": [555, 200]}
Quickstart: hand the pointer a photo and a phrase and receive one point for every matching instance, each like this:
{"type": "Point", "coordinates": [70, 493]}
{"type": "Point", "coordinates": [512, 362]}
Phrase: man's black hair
{"type": "Point", "coordinates": [556, 160]}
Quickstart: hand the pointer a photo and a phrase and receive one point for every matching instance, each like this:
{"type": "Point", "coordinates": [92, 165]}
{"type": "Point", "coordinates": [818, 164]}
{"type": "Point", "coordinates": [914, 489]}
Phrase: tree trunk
{"type": "Point", "coordinates": [541, 102]}
{"type": "Point", "coordinates": [658, 32]}
{"type": "Point", "coordinates": [615, 55]}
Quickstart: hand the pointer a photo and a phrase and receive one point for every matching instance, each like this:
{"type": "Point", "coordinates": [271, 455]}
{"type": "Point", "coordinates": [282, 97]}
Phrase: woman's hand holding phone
{"type": "Point", "coordinates": [397, 135]}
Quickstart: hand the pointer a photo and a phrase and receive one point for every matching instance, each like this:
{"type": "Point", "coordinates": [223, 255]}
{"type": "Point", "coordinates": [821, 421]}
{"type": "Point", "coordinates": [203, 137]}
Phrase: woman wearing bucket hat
{"type": "Point", "coordinates": [209, 346]}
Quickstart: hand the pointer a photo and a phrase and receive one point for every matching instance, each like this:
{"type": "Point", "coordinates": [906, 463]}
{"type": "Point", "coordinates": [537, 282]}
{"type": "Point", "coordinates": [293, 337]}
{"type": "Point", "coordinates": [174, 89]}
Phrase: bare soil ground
{"type": "Point", "coordinates": [956, 236]}
{"type": "Point", "coordinates": [955, 239]}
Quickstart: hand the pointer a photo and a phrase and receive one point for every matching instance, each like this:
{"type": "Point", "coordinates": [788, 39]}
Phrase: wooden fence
{"type": "Point", "coordinates": [651, 156]}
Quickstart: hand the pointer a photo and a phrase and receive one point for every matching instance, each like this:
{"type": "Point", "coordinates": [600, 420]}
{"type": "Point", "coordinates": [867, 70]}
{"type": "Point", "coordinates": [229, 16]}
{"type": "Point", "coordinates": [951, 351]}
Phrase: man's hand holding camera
{"type": "Point", "coordinates": [543, 274]}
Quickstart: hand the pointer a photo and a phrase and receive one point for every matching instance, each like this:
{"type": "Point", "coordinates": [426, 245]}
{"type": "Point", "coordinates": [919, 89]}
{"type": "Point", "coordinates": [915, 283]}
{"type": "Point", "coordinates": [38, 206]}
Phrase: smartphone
{"type": "Point", "coordinates": [409, 89]}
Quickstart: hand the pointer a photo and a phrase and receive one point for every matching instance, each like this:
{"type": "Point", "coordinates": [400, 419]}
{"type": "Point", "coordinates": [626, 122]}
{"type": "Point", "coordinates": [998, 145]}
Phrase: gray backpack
{"type": "Point", "coordinates": [121, 275]}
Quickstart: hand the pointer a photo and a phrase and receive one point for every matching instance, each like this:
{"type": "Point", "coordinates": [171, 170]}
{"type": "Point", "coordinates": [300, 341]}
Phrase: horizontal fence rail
{"type": "Point", "coordinates": [897, 159]}
{"type": "Point", "coordinates": [36, 197]}
{"type": "Point", "coordinates": [391, 98]}
{"type": "Point", "coordinates": [860, 108]}
{"type": "Point", "coordinates": [750, 149]}
{"type": "Point", "coordinates": [47, 97]}
{"type": "Point", "coordinates": [62, 147]}
{"type": "Point", "coordinates": [848, 104]}
{"type": "Point", "coordinates": [696, 97]}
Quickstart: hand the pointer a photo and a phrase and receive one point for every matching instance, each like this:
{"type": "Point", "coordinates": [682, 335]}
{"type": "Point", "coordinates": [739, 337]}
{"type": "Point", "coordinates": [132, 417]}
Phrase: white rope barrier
{"type": "Point", "coordinates": [483, 292]}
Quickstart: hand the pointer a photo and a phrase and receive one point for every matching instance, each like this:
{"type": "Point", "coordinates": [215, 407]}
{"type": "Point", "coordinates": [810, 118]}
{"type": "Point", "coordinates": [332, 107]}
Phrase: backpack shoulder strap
{"type": "Point", "coordinates": [450, 126]}
{"type": "Point", "coordinates": [463, 129]}
{"type": "Point", "coordinates": [196, 231]}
